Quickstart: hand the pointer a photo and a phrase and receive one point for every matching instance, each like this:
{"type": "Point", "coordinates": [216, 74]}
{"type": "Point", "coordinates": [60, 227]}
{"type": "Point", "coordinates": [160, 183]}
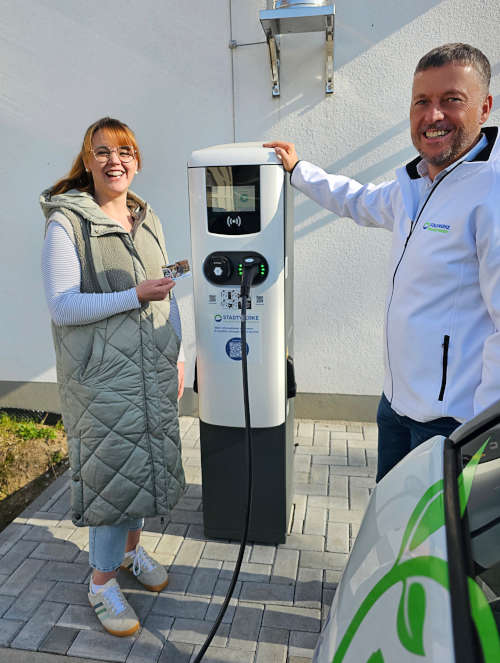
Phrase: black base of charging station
{"type": "Point", "coordinates": [224, 482]}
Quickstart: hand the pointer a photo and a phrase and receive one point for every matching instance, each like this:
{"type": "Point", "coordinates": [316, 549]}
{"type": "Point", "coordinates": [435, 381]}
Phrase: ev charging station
{"type": "Point", "coordinates": [241, 209]}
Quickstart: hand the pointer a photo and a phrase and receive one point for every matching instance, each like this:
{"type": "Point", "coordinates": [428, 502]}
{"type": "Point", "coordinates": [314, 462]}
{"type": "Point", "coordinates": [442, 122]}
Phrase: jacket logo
{"type": "Point", "coordinates": [437, 227]}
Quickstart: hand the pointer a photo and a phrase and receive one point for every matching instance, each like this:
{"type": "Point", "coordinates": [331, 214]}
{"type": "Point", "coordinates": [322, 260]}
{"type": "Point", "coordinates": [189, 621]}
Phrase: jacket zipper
{"type": "Point", "coordinates": [413, 225]}
{"type": "Point", "coordinates": [446, 345]}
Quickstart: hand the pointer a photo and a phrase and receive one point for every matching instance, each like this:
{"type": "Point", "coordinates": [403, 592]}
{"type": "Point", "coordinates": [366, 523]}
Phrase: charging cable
{"type": "Point", "coordinates": [250, 269]}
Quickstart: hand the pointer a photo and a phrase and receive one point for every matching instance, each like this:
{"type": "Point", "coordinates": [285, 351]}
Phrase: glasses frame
{"type": "Point", "coordinates": [114, 149]}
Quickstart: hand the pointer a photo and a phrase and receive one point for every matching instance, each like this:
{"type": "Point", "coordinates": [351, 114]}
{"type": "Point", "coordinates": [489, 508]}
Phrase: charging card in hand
{"type": "Point", "coordinates": [177, 270]}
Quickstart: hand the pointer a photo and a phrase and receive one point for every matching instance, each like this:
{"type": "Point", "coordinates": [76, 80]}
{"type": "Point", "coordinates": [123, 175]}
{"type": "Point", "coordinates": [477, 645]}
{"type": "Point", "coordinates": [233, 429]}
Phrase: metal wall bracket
{"type": "Point", "coordinates": [292, 20]}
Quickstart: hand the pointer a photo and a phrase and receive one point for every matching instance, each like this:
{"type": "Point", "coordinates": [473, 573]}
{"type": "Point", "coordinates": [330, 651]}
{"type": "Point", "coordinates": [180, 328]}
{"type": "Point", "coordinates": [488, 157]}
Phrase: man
{"type": "Point", "coordinates": [442, 322]}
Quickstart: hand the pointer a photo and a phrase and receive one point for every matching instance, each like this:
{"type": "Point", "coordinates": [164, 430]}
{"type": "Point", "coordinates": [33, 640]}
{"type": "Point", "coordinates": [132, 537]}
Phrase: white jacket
{"type": "Point", "coordinates": [442, 322]}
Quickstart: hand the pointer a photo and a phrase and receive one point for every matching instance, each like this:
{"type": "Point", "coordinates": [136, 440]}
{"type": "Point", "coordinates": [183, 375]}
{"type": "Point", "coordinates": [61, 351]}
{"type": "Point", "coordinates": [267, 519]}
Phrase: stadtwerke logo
{"type": "Point", "coordinates": [437, 227]}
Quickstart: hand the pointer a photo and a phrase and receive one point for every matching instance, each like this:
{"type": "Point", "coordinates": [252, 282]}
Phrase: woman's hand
{"type": "Point", "coordinates": [154, 290]}
{"type": "Point", "coordinates": [180, 373]}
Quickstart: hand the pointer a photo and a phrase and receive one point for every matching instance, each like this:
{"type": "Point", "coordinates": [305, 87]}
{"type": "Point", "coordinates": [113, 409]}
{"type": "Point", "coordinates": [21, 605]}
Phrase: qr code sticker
{"type": "Point", "coordinates": [235, 350]}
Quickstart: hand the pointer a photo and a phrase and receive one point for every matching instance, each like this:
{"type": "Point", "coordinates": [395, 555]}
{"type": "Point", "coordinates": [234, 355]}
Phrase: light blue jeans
{"type": "Point", "coordinates": [107, 544]}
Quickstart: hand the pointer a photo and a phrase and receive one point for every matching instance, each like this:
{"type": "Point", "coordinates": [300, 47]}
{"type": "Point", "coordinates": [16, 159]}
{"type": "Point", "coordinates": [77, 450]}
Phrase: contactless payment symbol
{"type": "Point", "coordinates": [233, 349]}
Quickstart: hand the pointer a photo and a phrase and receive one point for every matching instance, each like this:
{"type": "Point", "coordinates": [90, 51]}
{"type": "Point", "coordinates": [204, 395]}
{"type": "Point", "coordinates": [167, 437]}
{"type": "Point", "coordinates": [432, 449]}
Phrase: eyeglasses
{"type": "Point", "coordinates": [125, 153]}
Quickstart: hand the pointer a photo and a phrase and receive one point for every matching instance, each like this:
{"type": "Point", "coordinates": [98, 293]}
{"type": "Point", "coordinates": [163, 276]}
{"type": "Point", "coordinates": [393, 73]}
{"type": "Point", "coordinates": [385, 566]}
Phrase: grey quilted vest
{"type": "Point", "coordinates": [118, 377]}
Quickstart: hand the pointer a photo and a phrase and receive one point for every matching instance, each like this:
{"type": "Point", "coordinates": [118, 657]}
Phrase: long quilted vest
{"type": "Point", "coordinates": [118, 377]}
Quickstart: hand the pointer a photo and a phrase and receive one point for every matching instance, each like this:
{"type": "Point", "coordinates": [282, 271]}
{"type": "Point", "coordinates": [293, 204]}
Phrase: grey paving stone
{"type": "Point", "coordinates": [227, 552]}
{"type": "Point", "coordinates": [149, 644]}
{"type": "Point", "coordinates": [176, 652]}
{"type": "Point", "coordinates": [63, 571]}
{"type": "Point", "coordinates": [319, 474]}
{"type": "Point", "coordinates": [225, 655]}
{"type": "Point", "coordinates": [339, 444]}
{"type": "Point", "coordinates": [142, 602]}
{"type": "Point", "coordinates": [59, 640]}
{"type": "Point", "coordinates": [50, 534]}
{"type": "Point", "coordinates": [204, 577]}
{"type": "Point", "coordinates": [246, 626]}
{"type": "Point", "coordinates": [22, 576]}
{"type": "Point", "coordinates": [248, 572]}
{"type": "Point", "coordinates": [285, 566]}
{"type": "Point", "coordinates": [181, 605]}
{"type": "Point", "coordinates": [8, 630]}
{"type": "Point", "coordinates": [310, 488]}
{"type": "Point", "coordinates": [350, 471]}
{"type": "Point", "coordinates": [57, 552]}
{"type": "Point", "coordinates": [11, 534]}
{"type": "Point", "coordinates": [271, 653]}
{"type": "Point", "coordinates": [196, 532]}
{"type": "Point", "coordinates": [358, 495]}
{"type": "Point", "coordinates": [339, 487]}
{"type": "Point", "coordinates": [330, 425]}
{"type": "Point", "coordinates": [328, 595]}
{"type": "Point", "coordinates": [304, 542]}
{"type": "Point", "coordinates": [187, 517]}
{"type": "Point", "coordinates": [69, 592]}
{"type": "Point", "coordinates": [329, 502]}
{"type": "Point", "coordinates": [195, 631]}
{"type": "Point", "coordinates": [79, 617]}
{"type": "Point", "coordinates": [36, 629]}
{"type": "Point", "coordinates": [177, 582]}
{"type": "Point", "coordinates": [100, 645]}
{"type": "Point", "coordinates": [266, 592]}
{"type": "Point", "coordinates": [26, 604]}
{"type": "Point", "coordinates": [44, 519]}
{"type": "Point", "coordinates": [298, 659]}
{"type": "Point", "coordinates": [275, 636]}
{"type": "Point", "coordinates": [302, 643]}
{"type": "Point", "coordinates": [323, 560]}
{"type": "Point", "coordinates": [3, 578]}
{"type": "Point", "coordinates": [329, 460]}
{"type": "Point", "coordinates": [321, 436]}
{"type": "Point", "coordinates": [222, 587]}
{"type": "Point", "coordinates": [308, 590]}
{"type": "Point", "coordinates": [337, 539]}
{"type": "Point", "coordinates": [346, 515]}
{"type": "Point", "coordinates": [193, 490]}
{"type": "Point", "coordinates": [306, 429]}
{"type": "Point", "coordinates": [262, 554]}
{"type": "Point", "coordinates": [356, 456]}
{"type": "Point", "coordinates": [315, 521]}
{"type": "Point", "coordinates": [331, 578]}
{"type": "Point", "coordinates": [5, 603]}
{"type": "Point", "coordinates": [302, 463]}
{"type": "Point", "coordinates": [293, 618]}
{"type": "Point", "coordinates": [216, 605]}
{"type": "Point", "coordinates": [156, 525]}
{"type": "Point", "coordinates": [188, 556]}
{"type": "Point", "coordinates": [16, 555]}
{"type": "Point", "coordinates": [189, 503]}
{"type": "Point", "coordinates": [80, 537]}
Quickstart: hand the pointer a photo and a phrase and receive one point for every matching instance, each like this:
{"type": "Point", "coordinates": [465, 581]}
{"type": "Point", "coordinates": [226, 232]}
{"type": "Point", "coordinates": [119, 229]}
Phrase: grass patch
{"type": "Point", "coordinates": [32, 454]}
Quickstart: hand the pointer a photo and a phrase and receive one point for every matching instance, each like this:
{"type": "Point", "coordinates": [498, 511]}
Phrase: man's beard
{"type": "Point", "coordinates": [458, 147]}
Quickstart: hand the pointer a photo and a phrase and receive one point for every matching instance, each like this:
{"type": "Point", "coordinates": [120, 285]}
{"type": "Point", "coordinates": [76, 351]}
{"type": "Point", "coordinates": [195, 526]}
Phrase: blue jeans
{"type": "Point", "coordinates": [107, 544]}
{"type": "Point", "coordinates": [398, 435]}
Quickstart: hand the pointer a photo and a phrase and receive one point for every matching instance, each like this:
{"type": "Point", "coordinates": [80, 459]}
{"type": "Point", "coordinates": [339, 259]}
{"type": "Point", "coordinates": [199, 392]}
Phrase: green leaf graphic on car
{"type": "Point", "coordinates": [427, 517]}
{"type": "Point", "coordinates": [411, 618]}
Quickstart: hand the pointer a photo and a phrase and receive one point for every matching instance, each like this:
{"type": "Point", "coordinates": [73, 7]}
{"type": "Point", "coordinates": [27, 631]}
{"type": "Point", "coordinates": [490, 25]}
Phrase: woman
{"type": "Point", "coordinates": [116, 331]}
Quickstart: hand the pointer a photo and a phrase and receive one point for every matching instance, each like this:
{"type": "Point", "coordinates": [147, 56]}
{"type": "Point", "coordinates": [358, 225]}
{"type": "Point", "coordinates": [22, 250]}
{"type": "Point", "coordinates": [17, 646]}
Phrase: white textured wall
{"type": "Point", "coordinates": [165, 68]}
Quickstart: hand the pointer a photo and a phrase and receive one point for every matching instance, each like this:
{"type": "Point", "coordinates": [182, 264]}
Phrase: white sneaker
{"type": "Point", "coordinates": [147, 571]}
{"type": "Point", "coordinates": [113, 610]}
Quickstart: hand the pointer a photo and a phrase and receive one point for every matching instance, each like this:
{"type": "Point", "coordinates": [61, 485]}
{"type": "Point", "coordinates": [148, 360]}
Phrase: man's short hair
{"type": "Point", "coordinates": [461, 54]}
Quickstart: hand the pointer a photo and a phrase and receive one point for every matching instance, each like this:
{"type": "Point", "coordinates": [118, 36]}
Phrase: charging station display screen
{"type": "Point", "coordinates": [233, 199]}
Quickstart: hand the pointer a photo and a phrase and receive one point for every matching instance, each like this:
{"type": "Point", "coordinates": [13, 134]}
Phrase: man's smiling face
{"type": "Point", "coordinates": [449, 105]}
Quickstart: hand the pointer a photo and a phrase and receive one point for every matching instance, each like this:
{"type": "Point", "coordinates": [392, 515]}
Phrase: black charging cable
{"type": "Point", "coordinates": [250, 269]}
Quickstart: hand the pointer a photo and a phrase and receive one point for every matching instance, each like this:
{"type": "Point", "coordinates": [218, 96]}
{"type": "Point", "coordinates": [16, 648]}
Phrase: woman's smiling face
{"type": "Point", "coordinates": [112, 178]}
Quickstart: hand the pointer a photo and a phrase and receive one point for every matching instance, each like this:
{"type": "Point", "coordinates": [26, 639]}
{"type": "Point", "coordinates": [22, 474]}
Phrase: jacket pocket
{"type": "Point", "coordinates": [91, 364]}
{"type": "Point", "coordinates": [446, 345]}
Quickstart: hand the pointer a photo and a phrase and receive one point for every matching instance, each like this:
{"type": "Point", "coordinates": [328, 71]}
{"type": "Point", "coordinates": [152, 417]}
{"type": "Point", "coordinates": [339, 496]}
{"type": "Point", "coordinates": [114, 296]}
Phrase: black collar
{"type": "Point", "coordinates": [491, 136]}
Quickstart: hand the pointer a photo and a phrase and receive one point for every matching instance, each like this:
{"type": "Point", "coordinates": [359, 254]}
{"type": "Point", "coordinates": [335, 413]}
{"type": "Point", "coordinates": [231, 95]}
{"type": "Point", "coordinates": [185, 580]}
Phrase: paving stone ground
{"type": "Point", "coordinates": [279, 603]}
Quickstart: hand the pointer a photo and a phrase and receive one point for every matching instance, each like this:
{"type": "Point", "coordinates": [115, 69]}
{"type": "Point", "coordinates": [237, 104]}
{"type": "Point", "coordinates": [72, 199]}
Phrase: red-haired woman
{"type": "Point", "coordinates": [116, 330]}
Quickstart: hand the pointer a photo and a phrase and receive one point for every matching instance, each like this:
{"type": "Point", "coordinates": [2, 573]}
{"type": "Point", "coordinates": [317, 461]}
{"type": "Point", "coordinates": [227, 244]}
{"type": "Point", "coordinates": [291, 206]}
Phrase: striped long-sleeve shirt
{"type": "Point", "coordinates": [61, 273]}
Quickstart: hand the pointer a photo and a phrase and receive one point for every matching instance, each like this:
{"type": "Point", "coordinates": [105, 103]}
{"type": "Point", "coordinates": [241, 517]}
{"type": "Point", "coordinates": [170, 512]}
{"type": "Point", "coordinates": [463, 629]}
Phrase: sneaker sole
{"type": "Point", "coordinates": [122, 634]}
{"type": "Point", "coordinates": [151, 588]}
